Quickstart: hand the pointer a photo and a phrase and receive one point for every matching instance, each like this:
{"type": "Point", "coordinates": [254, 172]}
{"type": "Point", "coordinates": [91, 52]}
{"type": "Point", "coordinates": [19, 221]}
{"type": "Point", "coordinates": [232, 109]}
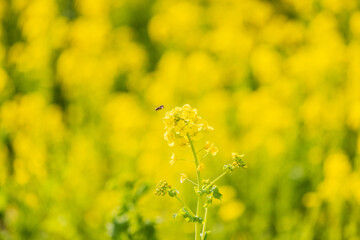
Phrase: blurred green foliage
{"type": "Point", "coordinates": [128, 222]}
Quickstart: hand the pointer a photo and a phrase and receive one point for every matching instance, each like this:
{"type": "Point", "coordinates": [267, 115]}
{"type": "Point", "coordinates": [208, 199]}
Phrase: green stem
{"type": "Point", "coordinates": [198, 206]}
{"type": "Point", "coordinates": [204, 225]}
{"type": "Point", "coordinates": [216, 179]}
{"type": "Point", "coordinates": [184, 160]}
{"type": "Point", "coordinates": [184, 204]}
{"type": "Point", "coordinates": [204, 156]}
{"type": "Point", "coordinates": [192, 181]}
{"type": "Point", "coordinates": [200, 150]}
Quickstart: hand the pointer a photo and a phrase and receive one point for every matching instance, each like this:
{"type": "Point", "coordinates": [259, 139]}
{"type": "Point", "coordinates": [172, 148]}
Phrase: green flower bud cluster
{"type": "Point", "coordinates": [237, 163]}
{"type": "Point", "coordinates": [163, 188]}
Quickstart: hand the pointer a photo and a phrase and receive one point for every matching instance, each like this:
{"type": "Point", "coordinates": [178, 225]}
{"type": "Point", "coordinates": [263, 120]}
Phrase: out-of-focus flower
{"type": "Point", "coordinates": [337, 172]}
{"type": "Point", "coordinates": [201, 166]}
{"type": "Point", "coordinates": [231, 210]}
{"type": "Point", "coordinates": [210, 148]}
{"type": "Point", "coordinates": [183, 177]}
{"type": "Point", "coordinates": [181, 123]}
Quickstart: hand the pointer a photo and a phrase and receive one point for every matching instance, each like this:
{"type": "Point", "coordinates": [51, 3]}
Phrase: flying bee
{"type": "Point", "coordinates": [159, 108]}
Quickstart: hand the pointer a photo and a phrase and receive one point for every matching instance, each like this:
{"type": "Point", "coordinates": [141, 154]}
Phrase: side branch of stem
{"type": "Point", "coordinates": [192, 182]}
{"type": "Point", "coordinates": [198, 206]}
{"type": "Point", "coordinates": [216, 179]}
{"type": "Point", "coordinates": [204, 225]}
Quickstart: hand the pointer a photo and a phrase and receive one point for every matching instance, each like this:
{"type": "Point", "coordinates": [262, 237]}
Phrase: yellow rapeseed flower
{"type": "Point", "coordinates": [210, 148]}
{"type": "Point", "coordinates": [181, 122]}
{"type": "Point", "coordinates": [183, 177]}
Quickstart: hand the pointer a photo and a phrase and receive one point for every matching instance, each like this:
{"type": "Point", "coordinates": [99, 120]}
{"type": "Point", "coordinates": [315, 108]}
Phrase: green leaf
{"type": "Point", "coordinates": [216, 193]}
{"type": "Point", "coordinates": [206, 234]}
{"type": "Point", "coordinates": [188, 216]}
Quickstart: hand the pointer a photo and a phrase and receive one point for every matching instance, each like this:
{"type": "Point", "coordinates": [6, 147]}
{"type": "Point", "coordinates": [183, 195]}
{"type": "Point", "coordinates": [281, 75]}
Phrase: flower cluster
{"type": "Point", "coordinates": [163, 188]}
{"type": "Point", "coordinates": [183, 122]}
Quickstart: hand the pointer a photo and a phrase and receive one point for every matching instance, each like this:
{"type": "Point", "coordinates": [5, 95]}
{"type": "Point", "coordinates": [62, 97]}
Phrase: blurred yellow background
{"type": "Point", "coordinates": [278, 80]}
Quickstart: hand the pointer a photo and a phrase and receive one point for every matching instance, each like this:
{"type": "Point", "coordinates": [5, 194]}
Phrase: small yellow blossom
{"type": "Point", "coordinates": [214, 150]}
{"type": "Point", "coordinates": [170, 138]}
{"type": "Point", "coordinates": [207, 146]}
{"type": "Point", "coordinates": [182, 142]}
{"type": "Point", "coordinates": [183, 177]}
{"type": "Point", "coordinates": [210, 128]}
{"type": "Point", "coordinates": [180, 127]}
{"type": "Point", "coordinates": [210, 147]}
{"type": "Point", "coordinates": [201, 166]}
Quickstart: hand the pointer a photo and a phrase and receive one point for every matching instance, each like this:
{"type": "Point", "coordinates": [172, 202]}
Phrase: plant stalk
{"type": "Point", "coordinates": [198, 206]}
{"type": "Point", "coordinates": [204, 225]}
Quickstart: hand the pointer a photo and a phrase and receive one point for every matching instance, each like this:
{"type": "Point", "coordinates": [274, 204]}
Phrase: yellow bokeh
{"type": "Point", "coordinates": [231, 210]}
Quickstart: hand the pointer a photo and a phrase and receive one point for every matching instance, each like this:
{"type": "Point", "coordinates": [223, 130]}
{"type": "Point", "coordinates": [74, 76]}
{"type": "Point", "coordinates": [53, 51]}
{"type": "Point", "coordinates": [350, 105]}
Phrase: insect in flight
{"type": "Point", "coordinates": [159, 108]}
